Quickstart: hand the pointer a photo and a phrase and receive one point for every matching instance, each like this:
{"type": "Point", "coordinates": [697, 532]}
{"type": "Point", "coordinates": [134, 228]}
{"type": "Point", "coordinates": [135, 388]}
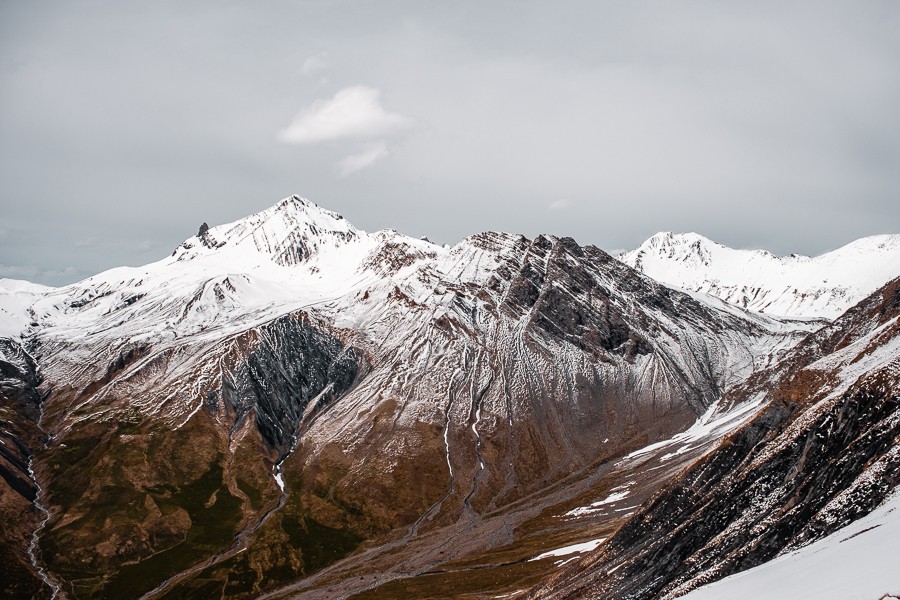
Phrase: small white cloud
{"type": "Point", "coordinates": [354, 112]}
{"type": "Point", "coordinates": [314, 64]}
{"type": "Point", "coordinates": [559, 205]}
{"type": "Point", "coordinates": [361, 160]}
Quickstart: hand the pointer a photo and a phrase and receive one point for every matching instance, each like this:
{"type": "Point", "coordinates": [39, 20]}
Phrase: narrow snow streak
{"type": "Point", "coordinates": [478, 435]}
{"type": "Point", "coordinates": [573, 549]}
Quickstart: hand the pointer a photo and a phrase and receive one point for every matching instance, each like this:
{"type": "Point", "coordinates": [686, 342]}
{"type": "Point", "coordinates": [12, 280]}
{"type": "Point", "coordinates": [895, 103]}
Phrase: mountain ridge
{"type": "Point", "coordinates": [794, 286]}
{"type": "Point", "coordinates": [822, 452]}
{"type": "Point", "coordinates": [296, 230]}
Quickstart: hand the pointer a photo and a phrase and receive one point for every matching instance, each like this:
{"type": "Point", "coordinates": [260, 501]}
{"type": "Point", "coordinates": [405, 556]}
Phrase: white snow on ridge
{"type": "Point", "coordinates": [858, 561]}
{"type": "Point", "coordinates": [793, 286]}
{"type": "Point", "coordinates": [16, 297]}
{"type": "Point", "coordinates": [292, 256]}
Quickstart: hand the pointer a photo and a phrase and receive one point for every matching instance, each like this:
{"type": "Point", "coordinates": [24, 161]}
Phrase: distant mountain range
{"type": "Point", "coordinates": [792, 286]}
{"type": "Point", "coordinates": [287, 406]}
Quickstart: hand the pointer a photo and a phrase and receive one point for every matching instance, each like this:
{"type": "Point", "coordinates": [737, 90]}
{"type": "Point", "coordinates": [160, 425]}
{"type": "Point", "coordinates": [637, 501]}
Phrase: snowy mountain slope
{"type": "Point", "coordinates": [297, 256]}
{"type": "Point", "coordinates": [823, 451]}
{"type": "Point", "coordinates": [369, 383]}
{"type": "Point", "coordinates": [857, 561]}
{"type": "Point", "coordinates": [793, 286]}
{"type": "Point", "coordinates": [16, 297]}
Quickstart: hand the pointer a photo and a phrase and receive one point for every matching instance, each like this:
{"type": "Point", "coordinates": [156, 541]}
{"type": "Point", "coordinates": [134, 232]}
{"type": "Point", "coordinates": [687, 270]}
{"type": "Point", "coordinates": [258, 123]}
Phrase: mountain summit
{"type": "Point", "coordinates": [288, 233]}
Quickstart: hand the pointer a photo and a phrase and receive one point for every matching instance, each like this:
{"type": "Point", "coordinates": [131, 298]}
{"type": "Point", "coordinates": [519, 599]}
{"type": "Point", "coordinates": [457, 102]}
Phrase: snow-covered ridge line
{"type": "Point", "coordinates": [793, 286]}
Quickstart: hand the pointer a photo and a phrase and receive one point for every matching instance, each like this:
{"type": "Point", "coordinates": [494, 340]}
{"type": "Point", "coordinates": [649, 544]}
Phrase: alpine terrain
{"type": "Point", "coordinates": [290, 407]}
{"type": "Point", "coordinates": [793, 286]}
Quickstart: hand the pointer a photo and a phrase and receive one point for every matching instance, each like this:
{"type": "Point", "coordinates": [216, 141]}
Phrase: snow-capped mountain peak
{"type": "Point", "coordinates": [795, 286]}
{"type": "Point", "coordinates": [289, 233]}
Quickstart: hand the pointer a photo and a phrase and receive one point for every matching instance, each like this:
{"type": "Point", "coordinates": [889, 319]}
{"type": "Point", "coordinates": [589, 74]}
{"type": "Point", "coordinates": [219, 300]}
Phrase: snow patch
{"type": "Point", "coordinates": [573, 549]}
{"type": "Point", "coordinates": [858, 561]}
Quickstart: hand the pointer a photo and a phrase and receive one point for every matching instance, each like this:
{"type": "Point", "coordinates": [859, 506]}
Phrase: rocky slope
{"type": "Point", "coordinates": [794, 286]}
{"type": "Point", "coordinates": [855, 561]}
{"type": "Point", "coordinates": [823, 452]}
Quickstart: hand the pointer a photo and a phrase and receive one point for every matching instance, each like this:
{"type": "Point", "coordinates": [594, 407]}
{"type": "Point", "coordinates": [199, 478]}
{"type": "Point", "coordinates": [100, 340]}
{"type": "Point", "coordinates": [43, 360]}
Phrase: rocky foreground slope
{"type": "Point", "coordinates": [824, 451]}
{"type": "Point", "coordinates": [288, 406]}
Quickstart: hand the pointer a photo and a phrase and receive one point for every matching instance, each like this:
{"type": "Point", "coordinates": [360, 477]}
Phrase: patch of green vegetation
{"type": "Point", "coordinates": [234, 575]}
{"type": "Point", "coordinates": [197, 589]}
{"type": "Point", "coordinates": [211, 529]}
{"type": "Point", "coordinates": [255, 496]}
{"type": "Point", "coordinates": [76, 457]}
{"type": "Point", "coordinates": [240, 577]}
{"type": "Point", "coordinates": [117, 506]}
{"type": "Point", "coordinates": [85, 588]}
{"type": "Point", "coordinates": [290, 545]}
{"type": "Point", "coordinates": [320, 544]}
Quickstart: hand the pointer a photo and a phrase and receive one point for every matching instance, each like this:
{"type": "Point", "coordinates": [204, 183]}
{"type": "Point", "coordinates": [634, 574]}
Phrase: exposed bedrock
{"type": "Point", "coordinates": [293, 364]}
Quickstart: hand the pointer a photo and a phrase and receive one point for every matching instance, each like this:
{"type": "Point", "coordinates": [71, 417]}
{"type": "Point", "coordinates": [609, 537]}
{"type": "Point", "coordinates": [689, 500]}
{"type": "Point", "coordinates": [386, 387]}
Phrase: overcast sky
{"type": "Point", "coordinates": [124, 125]}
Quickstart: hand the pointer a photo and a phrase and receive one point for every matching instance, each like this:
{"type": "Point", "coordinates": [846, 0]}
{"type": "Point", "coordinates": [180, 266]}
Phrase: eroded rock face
{"type": "Point", "coordinates": [825, 452]}
{"type": "Point", "coordinates": [555, 286]}
{"type": "Point", "coordinates": [21, 410]}
{"type": "Point", "coordinates": [293, 364]}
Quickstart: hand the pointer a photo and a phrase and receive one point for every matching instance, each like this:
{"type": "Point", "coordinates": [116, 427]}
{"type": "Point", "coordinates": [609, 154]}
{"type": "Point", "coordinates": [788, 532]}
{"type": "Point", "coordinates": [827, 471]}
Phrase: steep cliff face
{"type": "Point", "coordinates": [293, 365]}
{"type": "Point", "coordinates": [824, 452]}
